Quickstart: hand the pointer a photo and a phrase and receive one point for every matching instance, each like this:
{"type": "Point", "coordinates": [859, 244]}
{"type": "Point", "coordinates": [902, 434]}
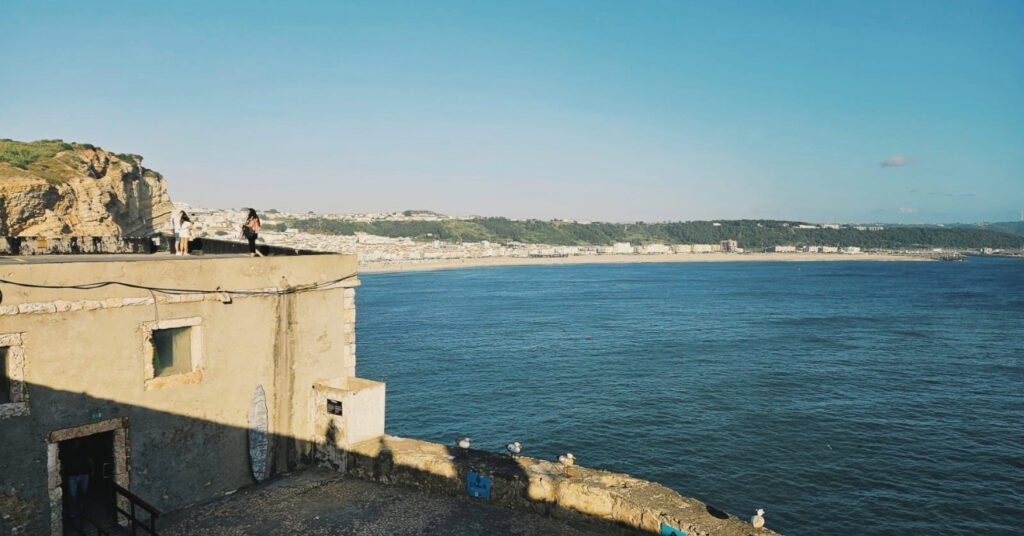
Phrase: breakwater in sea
{"type": "Point", "coordinates": [876, 396]}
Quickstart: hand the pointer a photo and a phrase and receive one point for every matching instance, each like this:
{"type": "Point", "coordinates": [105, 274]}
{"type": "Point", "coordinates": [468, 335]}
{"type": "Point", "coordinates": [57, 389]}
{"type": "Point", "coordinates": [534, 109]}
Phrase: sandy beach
{"type": "Point", "coordinates": [447, 264]}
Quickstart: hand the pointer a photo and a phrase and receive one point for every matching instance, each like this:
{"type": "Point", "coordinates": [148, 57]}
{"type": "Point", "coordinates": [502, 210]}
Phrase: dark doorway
{"type": "Point", "coordinates": [87, 472]}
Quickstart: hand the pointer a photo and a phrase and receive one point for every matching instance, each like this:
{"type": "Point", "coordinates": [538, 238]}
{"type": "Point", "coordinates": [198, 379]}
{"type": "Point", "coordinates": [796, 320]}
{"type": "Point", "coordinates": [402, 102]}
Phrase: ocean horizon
{"type": "Point", "coordinates": [876, 397]}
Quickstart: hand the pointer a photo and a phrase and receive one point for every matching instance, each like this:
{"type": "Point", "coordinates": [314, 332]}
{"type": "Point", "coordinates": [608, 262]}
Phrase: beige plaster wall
{"type": "Point", "coordinates": [99, 352]}
{"type": "Point", "coordinates": [84, 353]}
{"type": "Point", "coordinates": [363, 408]}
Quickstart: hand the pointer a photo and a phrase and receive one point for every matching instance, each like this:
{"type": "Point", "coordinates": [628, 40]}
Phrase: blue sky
{"type": "Point", "coordinates": [612, 111]}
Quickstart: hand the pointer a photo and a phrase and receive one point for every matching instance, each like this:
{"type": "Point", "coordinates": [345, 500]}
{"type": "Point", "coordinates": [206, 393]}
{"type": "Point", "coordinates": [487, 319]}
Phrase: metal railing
{"type": "Point", "coordinates": [134, 522]}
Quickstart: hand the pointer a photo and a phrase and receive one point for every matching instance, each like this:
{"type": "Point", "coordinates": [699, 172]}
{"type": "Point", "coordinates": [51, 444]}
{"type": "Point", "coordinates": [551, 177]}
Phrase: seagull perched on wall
{"type": "Point", "coordinates": [514, 448]}
{"type": "Point", "coordinates": [463, 443]}
{"type": "Point", "coordinates": [758, 520]}
{"type": "Point", "coordinates": [567, 459]}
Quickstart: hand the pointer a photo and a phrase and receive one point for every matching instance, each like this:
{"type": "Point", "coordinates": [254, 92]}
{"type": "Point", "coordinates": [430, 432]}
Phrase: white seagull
{"type": "Point", "coordinates": [514, 448]}
{"type": "Point", "coordinates": [463, 442]}
{"type": "Point", "coordinates": [567, 459]}
{"type": "Point", "coordinates": [758, 520]}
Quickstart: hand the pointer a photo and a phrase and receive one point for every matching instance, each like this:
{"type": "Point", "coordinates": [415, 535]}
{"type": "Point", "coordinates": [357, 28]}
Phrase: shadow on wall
{"type": "Point", "coordinates": [173, 461]}
{"type": "Point", "coordinates": [168, 460]}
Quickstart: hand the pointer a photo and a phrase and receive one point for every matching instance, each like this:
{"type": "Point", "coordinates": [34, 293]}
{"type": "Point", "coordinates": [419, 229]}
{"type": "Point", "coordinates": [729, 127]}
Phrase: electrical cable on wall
{"type": "Point", "coordinates": [165, 290]}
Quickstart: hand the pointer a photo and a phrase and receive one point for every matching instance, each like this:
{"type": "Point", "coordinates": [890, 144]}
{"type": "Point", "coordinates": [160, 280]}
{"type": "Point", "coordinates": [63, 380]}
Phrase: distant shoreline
{"type": "Point", "coordinates": [449, 264]}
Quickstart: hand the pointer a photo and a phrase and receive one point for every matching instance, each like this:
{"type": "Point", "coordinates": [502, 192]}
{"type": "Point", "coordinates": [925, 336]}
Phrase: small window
{"type": "Point", "coordinates": [5, 377]}
{"type": "Point", "coordinates": [13, 392]}
{"type": "Point", "coordinates": [172, 351]}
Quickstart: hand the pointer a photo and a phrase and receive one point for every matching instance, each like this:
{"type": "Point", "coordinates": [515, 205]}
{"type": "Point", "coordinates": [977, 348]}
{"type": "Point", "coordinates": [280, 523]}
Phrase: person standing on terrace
{"type": "Point", "coordinates": [186, 234]}
{"type": "Point", "coordinates": [251, 230]}
{"type": "Point", "coordinates": [176, 223]}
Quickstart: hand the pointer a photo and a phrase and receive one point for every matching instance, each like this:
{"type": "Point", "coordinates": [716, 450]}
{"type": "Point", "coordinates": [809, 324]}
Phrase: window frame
{"type": "Point", "coordinates": [195, 375]}
{"type": "Point", "coordinates": [14, 371]}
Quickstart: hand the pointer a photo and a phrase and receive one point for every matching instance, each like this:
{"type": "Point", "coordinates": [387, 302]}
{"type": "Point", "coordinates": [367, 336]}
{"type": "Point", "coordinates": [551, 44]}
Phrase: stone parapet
{"type": "Point", "coordinates": [63, 245]}
{"type": "Point", "coordinates": [541, 486]}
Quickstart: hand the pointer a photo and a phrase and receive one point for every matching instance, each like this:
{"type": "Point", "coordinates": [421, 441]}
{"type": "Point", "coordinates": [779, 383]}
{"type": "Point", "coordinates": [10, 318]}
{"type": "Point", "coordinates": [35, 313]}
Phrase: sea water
{"type": "Point", "coordinates": [842, 397]}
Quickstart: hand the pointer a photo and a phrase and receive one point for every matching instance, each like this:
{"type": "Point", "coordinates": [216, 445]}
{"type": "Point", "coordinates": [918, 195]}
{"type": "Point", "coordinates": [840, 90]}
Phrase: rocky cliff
{"type": "Point", "coordinates": [50, 188]}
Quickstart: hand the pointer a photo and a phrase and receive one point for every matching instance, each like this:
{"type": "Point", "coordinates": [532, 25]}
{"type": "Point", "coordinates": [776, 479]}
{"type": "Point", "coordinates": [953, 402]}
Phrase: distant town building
{"type": "Point", "coordinates": [782, 249]}
{"type": "Point", "coordinates": [654, 249]}
{"type": "Point", "coordinates": [729, 246]}
{"type": "Point", "coordinates": [706, 248]}
{"type": "Point", "coordinates": [622, 248]}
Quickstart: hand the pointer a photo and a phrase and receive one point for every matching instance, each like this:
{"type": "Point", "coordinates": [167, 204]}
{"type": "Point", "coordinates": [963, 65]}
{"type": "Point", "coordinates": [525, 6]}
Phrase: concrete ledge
{"type": "Point", "coordinates": [540, 486]}
{"type": "Point", "coordinates": [234, 273]}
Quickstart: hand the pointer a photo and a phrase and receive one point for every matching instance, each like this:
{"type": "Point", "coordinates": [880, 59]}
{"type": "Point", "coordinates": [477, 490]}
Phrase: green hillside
{"type": "Point", "coordinates": [55, 161]}
{"type": "Point", "coordinates": [1012, 227]}
{"type": "Point", "coordinates": [52, 160]}
{"type": "Point", "coordinates": [750, 234]}
{"type": "Point", "coordinates": [20, 153]}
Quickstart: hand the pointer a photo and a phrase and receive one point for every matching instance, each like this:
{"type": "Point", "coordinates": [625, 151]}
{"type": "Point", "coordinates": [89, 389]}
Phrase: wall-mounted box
{"type": "Point", "coordinates": [348, 410]}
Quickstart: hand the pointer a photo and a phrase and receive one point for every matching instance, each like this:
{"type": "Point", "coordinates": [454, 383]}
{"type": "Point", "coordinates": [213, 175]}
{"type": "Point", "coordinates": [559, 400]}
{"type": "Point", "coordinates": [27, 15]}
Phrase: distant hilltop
{"type": "Point", "coordinates": [752, 235]}
{"type": "Point", "coordinates": [51, 188]}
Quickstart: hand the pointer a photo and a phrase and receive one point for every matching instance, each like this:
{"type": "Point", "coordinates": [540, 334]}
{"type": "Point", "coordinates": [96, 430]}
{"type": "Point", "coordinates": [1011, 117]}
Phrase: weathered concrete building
{"type": "Point", "coordinates": [176, 380]}
{"type": "Point", "coordinates": [706, 248]}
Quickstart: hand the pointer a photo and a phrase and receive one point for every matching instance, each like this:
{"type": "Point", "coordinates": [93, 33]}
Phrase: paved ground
{"type": "Point", "coordinates": [323, 502]}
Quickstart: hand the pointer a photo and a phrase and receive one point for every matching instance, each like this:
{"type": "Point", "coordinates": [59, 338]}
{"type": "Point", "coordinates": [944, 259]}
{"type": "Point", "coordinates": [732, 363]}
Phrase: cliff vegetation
{"type": "Point", "coordinates": [54, 188]}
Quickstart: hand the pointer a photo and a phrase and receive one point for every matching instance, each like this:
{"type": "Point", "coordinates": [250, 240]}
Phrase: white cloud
{"type": "Point", "coordinates": [897, 160]}
{"type": "Point", "coordinates": [905, 210]}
